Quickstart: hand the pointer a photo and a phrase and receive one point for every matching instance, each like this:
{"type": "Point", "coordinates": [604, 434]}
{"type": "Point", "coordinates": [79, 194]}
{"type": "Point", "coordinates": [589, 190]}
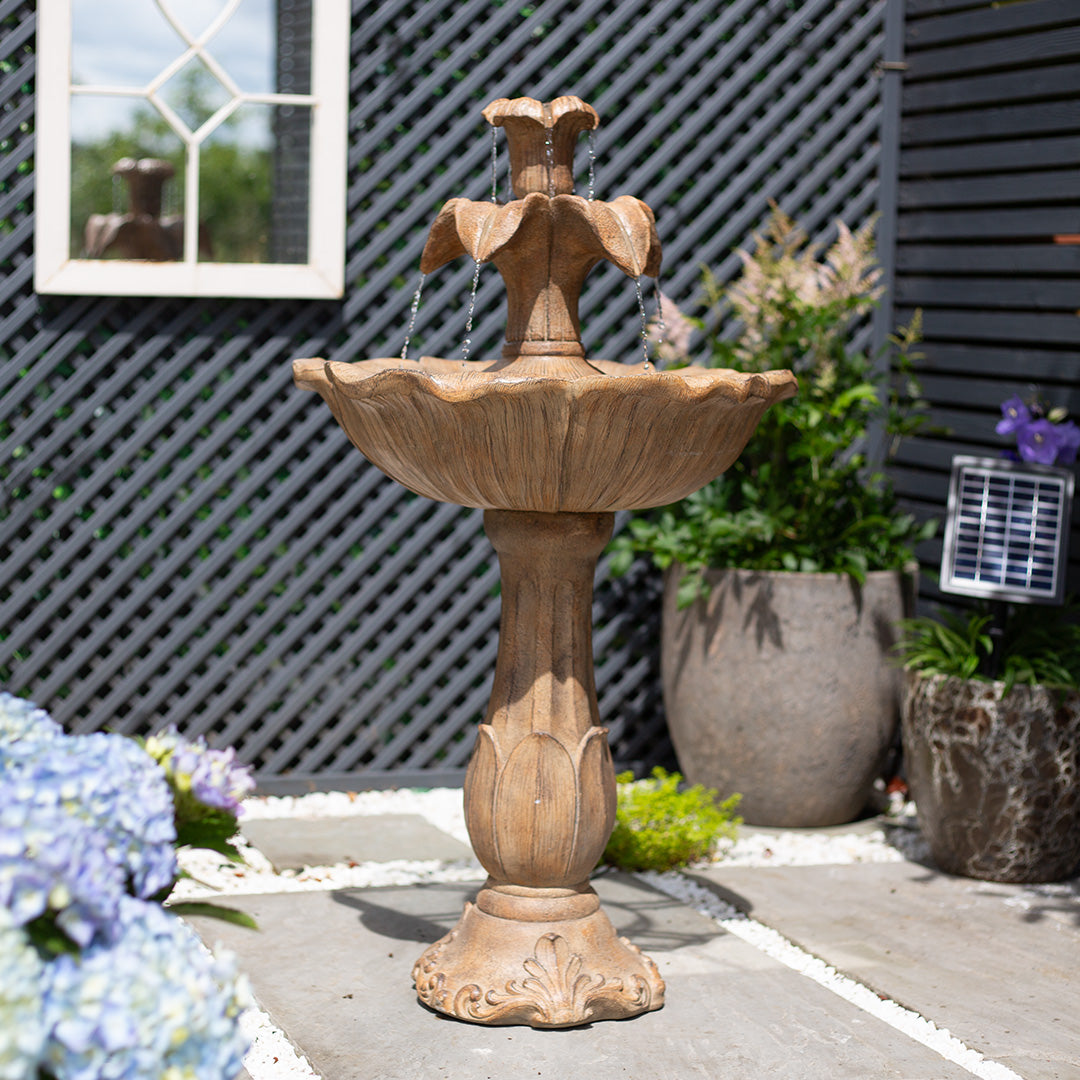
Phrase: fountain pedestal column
{"type": "Point", "coordinates": [536, 948]}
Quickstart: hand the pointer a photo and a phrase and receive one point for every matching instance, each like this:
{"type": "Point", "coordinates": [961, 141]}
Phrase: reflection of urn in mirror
{"type": "Point", "coordinates": [549, 444]}
{"type": "Point", "coordinates": [141, 233]}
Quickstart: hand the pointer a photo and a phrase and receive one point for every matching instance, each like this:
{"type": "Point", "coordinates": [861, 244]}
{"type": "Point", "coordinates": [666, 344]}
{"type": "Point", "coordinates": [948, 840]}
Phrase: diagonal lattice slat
{"type": "Point", "coordinates": [187, 539]}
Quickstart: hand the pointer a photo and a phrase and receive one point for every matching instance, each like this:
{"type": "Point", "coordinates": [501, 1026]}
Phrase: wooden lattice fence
{"type": "Point", "coordinates": [988, 230]}
{"type": "Point", "coordinates": [185, 538]}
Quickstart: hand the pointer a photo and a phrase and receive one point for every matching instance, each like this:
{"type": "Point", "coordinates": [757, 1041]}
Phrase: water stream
{"type": "Point", "coordinates": [661, 326]}
{"type": "Point", "coordinates": [466, 345]}
{"type": "Point", "coordinates": [494, 165]}
{"type": "Point", "coordinates": [549, 146]}
{"type": "Point", "coordinates": [644, 323]}
{"type": "Point", "coordinates": [412, 316]}
{"type": "Point", "coordinates": [592, 165]}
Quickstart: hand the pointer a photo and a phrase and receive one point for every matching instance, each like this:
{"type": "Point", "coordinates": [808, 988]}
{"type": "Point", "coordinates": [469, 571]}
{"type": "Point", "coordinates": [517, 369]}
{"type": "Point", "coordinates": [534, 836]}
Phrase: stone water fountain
{"type": "Point", "coordinates": [549, 444]}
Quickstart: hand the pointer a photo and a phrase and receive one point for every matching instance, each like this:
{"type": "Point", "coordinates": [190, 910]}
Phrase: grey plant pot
{"type": "Point", "coordinates": [780, 687]}
{"type": "Point", "coordinates": [996, 780]}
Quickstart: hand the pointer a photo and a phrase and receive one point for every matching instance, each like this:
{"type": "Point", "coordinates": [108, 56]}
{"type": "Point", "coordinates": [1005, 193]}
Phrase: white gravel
{"type": "Point", "coordinates": [273, 1056]}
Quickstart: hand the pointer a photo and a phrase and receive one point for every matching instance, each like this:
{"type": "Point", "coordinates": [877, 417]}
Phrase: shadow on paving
{"type": "Point", "coordinates": [637, 911]}
{"type": "Point", "coordinates": [333, 970]}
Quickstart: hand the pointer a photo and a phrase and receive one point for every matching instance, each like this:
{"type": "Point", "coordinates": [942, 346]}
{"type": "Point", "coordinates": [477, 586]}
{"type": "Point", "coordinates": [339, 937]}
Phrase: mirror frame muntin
{"type": "Point", "coordinates": [322, 277]}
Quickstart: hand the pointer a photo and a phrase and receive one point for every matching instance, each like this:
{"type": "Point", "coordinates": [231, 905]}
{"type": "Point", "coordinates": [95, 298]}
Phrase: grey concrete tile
{"type": "Point", "coordinates": [995, 964]}
{"type": "Point", "coordinates": [293, 843]}
{"type": "Point", "coordinates": [333, 970]}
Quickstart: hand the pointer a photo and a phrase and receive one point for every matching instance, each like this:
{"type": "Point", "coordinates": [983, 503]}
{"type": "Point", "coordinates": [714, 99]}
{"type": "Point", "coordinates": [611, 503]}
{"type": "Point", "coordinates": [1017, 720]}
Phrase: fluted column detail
{"type": "Point", "coordinates": [536, 947]}
{"type": "Point", "coordinates": [540, 792]}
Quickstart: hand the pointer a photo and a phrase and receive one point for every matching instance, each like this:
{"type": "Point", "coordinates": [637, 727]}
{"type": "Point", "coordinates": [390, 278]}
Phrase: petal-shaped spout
{"type": "Point", "coordinates": [544, 248]}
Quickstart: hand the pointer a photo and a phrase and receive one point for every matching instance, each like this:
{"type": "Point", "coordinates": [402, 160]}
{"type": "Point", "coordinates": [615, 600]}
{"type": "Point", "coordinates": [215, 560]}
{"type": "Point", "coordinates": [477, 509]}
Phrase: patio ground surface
{"type": "Point", "coordinates": [829, 971]}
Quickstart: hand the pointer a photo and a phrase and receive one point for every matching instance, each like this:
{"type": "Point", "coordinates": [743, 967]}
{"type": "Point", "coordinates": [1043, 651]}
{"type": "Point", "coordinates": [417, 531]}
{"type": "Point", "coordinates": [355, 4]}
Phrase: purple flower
{"type": "Point", "coordinates": [213, 777]}
{"type": "Point", "coordinates": [1015, 414]}
{"type": "Point", "coordinates": [1039, 441]}
{"type": "Point", "coordinates": [1068, 437]}
{"type": "Point", "coordinates": [1043, 436]}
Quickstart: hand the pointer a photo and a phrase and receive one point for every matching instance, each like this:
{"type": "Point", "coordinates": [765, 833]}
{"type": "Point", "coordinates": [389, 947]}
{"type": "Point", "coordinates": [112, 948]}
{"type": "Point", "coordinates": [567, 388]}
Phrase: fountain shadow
{"type": "Point", "coordinates": [422, 913]}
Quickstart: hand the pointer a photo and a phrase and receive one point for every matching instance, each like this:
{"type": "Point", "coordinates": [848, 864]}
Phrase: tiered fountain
{"type": "Point", "coordinates": [548, 444]}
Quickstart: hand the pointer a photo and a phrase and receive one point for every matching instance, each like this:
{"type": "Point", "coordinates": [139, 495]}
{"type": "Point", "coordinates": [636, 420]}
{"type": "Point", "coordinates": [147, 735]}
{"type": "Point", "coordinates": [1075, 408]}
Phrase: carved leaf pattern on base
{"type": "Point", "coordinates": [555, 993]}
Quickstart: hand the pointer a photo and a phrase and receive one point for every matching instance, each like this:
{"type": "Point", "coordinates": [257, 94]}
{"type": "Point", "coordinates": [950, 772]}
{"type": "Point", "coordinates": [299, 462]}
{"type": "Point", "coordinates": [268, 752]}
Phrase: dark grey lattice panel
{"type": "Point", "coordinates": [186, 538]}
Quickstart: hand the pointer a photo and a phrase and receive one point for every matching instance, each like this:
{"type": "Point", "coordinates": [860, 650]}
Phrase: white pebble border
{"type": "Point", "coordinates": [273, 1056]}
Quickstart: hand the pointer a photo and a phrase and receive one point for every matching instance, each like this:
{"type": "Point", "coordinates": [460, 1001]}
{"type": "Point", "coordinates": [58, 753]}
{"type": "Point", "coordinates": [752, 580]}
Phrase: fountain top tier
{"type": "Point", "coordinates": [542, 428]}
{"type": "Point", "coordinates": [546, 240]}
{"type": "Point", "coordinates": [542, 136]}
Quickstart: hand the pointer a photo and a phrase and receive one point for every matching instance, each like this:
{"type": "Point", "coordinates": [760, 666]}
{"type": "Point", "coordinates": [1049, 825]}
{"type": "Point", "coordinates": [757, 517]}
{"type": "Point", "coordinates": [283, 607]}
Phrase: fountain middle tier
{"type": "Point", "coordinates": [491, 435]}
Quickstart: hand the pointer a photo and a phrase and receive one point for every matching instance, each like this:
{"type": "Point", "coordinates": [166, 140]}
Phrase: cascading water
{"type": "Point", "coordinates": [412, 317]}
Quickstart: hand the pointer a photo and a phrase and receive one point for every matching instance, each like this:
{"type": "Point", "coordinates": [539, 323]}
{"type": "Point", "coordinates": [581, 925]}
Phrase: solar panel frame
{"type": "Point", "coordinates": [1007, 530]}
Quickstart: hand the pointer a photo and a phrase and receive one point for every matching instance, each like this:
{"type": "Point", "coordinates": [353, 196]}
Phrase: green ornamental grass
{"type": "Point", "coordinates": [659, 827]}
{"type": "Point", "coordinates": [1037, 646]}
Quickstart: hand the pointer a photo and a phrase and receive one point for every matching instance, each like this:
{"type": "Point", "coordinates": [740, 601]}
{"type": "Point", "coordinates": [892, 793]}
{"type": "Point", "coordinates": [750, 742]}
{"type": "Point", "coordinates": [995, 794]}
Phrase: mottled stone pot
{"type": "Point", "coordinates": [995, 778]}
{"type": "Point", "coordinates": [780, 687]}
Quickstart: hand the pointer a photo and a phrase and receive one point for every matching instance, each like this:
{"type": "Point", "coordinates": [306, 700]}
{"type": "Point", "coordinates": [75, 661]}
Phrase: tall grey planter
{"type": "Point", "coordinates": [780, 687]}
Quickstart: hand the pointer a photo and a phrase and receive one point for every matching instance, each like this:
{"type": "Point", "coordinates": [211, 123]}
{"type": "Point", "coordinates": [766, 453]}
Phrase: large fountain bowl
{"type": "Point", "coordinates": [479, 434]}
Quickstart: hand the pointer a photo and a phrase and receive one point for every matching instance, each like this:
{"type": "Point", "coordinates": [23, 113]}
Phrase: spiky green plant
{"type": "Point", "coordinates": [1036, 646]}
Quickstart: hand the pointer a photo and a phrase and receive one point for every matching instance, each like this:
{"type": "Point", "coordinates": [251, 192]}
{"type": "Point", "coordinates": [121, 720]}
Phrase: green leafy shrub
{"type": "Point", "coordinates": [802, 496]}
{"type": "Point", "coordinates": [659, 827]}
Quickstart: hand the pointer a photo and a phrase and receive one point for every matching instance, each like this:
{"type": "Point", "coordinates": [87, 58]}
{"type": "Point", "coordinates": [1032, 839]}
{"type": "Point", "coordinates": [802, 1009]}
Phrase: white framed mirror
{"type": "Point", "coordinates": [191, 147]}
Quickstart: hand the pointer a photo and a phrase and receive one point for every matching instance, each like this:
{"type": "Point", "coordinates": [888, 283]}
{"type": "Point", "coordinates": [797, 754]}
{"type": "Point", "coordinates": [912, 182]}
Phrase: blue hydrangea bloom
{"type": "Point", "coordinates": [22, 719]}
{"type": "Point", "coordinates": [22, 1025]}
{"type": "Point", "coordinates": [151, 1002]}
{"type": "Point", "coordinates": [50, 862]}
{"type": "Point", "coordinates": [83, 819]}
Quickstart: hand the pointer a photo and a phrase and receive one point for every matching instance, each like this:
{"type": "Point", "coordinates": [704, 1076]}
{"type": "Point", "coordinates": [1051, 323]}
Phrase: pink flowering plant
{"type": "Point", "coordinates": [1043, 435]}
{"type": "Point", "coordinates": [98, 978]}
{"type": "Point", "coordinates": [802, 496]}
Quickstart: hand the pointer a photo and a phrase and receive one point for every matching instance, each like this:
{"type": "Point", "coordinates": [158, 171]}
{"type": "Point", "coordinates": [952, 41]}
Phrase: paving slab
{"type": "Point", "coordinates": [333, 971]}
{"type": "Point", "coordinates": [998, 965]}
{"type": "Point", "coordinates": [293, 843]}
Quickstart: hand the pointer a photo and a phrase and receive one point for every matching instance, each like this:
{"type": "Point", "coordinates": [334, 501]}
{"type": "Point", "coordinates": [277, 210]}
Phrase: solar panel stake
{"type": "Point", "coordinates": [1007, 530]}
{"type": "Point", "coordinates": [999, 614]}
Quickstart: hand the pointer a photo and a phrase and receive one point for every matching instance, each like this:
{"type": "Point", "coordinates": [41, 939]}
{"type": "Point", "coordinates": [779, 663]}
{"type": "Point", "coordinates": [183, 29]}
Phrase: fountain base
{"type": "Point", "coordinates": [546, 958]}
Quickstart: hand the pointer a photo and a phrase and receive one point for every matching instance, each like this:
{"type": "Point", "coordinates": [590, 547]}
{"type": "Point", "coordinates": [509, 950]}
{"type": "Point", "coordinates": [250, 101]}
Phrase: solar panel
{"type": "Point", "coordinates": [1007, 530]}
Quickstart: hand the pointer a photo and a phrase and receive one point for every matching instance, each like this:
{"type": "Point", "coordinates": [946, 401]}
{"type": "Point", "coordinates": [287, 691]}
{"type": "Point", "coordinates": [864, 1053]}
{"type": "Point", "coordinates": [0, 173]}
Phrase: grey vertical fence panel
{"type": "Point", "coordinates": [185, 538]}
{"type": "Point", "coordinates": [988, 228]}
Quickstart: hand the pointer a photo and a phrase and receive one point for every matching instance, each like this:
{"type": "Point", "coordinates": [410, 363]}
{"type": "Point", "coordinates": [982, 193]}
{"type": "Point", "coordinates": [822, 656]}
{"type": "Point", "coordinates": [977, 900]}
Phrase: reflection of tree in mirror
{"type": "Point", "coordinates": [234, 174]}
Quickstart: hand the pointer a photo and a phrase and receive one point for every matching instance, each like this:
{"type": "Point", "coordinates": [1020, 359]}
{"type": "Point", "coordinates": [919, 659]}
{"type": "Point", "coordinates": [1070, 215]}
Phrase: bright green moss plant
{"type": "Point", "coordinates": [659, 827]}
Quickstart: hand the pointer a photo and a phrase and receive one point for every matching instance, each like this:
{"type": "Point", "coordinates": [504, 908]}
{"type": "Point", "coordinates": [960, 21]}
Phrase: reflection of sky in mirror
{"type": "Point", "coordinates": [128, 42]}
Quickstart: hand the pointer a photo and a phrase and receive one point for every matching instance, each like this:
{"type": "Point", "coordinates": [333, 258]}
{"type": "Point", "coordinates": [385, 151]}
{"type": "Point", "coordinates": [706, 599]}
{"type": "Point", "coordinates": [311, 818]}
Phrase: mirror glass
{"type": "Point", "coordinates": [193, 129]}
